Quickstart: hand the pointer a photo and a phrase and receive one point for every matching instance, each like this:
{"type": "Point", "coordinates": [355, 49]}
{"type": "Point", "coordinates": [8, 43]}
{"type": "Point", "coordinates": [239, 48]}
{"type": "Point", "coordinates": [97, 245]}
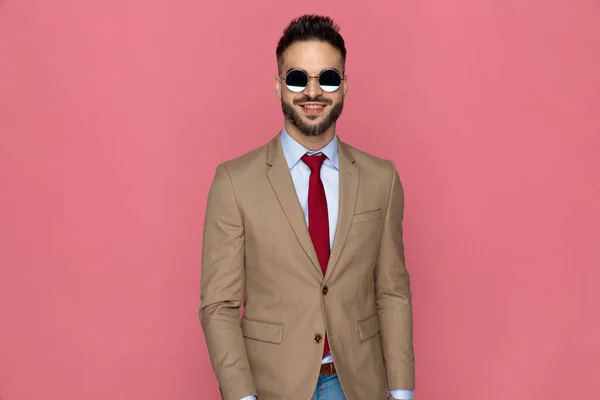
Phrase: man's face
{"type": "Point", "coordinates": [313, 110]}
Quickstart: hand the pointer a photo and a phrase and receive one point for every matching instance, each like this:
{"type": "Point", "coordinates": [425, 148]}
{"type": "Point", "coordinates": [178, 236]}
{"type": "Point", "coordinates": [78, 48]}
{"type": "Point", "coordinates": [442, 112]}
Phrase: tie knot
{"type": "Point", "coordinates": [314, 162]}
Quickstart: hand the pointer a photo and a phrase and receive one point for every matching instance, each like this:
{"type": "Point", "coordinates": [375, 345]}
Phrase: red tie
{"type": "Point", "coordinates": [318, 219]}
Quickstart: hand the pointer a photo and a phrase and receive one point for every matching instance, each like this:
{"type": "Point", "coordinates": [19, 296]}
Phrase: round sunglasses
{"type": "Point", "coordinates": [329, 80]}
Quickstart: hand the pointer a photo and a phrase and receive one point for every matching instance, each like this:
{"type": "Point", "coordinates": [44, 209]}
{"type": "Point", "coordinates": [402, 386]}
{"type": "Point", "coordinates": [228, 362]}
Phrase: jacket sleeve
{"type": "Point", "coordinates": [222, 282]}
{"type": "Point", "coordinates": [393, 294]}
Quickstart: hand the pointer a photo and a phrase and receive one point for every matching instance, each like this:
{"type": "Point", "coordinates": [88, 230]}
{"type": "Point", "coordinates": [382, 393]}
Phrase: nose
{"type": "Point", "coordinates": [313, 89]}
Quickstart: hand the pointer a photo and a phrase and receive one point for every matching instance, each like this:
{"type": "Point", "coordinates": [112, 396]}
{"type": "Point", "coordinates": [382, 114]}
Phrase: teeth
{"type": "Point", "coordinates": [313, 106]}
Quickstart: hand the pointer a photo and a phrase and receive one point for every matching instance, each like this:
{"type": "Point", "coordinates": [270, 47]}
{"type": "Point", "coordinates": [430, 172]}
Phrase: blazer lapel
{"type": "Point", "coordinates": [283, 186]}
{"type": "Point", "coordinates": [349, 177]}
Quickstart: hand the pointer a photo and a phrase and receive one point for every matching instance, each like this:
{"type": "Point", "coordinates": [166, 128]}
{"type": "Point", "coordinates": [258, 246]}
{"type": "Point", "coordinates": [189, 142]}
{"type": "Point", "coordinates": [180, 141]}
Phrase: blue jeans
{"type": "Point", "coordinates": [329, 388]}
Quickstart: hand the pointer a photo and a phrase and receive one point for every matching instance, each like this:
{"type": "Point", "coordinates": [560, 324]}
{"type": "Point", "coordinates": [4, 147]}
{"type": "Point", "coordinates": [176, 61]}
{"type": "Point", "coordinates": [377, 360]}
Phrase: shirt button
{"type": "Point", "coordinates": [317, 338]}
{"type": "Point", "coordinates": [325, 290]}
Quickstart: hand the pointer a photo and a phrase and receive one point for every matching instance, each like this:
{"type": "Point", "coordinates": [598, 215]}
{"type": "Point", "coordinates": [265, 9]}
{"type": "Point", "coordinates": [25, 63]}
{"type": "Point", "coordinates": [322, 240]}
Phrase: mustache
{"type": "Point", "coordinates": [317, 99]}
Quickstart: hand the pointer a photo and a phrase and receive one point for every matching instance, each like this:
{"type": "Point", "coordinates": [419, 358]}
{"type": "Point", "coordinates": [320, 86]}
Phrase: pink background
{"type": "Point", "coordinates": [114, 114]}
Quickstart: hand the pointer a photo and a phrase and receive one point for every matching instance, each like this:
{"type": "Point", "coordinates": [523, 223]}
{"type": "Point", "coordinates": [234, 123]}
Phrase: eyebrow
{"type": "Point", "coordinates": [325, 69]}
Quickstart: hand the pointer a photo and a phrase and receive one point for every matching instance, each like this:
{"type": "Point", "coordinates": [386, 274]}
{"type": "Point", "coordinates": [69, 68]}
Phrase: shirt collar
{"type": "Point", "coordinates": [293, 151]}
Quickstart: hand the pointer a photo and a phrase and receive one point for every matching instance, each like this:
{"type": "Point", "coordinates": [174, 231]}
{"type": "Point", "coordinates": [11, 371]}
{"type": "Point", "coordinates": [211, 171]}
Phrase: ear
{"type": "Point", "coordinates": [277, 82]}
{"type": "Point", "coordinates": [345, 84]}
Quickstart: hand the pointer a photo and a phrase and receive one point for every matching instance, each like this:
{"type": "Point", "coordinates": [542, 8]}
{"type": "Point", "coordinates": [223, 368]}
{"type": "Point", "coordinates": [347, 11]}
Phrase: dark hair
{"type": "Point", "coordinates": [311, 27]}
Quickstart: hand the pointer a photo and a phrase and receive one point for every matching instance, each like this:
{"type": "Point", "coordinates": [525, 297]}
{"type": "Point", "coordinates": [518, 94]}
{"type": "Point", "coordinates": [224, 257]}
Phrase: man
{"type": "Point", "coordinates": [306, 233]}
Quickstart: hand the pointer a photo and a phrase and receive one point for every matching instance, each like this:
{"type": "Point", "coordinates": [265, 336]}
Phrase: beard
{"type": "Point", "coordinates": [307, 129]}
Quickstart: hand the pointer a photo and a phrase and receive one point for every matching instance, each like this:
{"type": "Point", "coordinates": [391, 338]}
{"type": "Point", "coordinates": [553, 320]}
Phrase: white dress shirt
{"type": "Point", "coordinates": [300, 172]}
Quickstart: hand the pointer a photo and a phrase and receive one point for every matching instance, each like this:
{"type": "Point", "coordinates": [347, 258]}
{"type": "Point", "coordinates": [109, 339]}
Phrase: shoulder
{"type": "Point", "coordinates": [246, 160]}
{"type": "Point", "coordinates": [245, 164]}
{"type": "Point", "coordinates": [370, 163]}
{"type": "Point", "coordinates": [380, 174]}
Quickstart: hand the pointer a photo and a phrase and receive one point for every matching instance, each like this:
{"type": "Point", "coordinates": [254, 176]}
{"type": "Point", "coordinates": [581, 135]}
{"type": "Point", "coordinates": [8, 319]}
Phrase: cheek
{"type": "Point", "coordinates": [337, 96]}
{"type": "Point", "coordinates": [289, 97]}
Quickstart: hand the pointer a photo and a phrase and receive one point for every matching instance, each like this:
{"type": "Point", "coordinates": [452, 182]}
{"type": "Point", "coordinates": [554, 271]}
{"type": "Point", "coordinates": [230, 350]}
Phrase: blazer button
{"type": "Point", "coordinates": [317, 338]}
{"type": "Point", "coordinates": [325, 290]}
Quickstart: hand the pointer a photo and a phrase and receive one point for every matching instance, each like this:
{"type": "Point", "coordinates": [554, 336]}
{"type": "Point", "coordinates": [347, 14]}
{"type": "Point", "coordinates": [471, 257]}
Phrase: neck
{"type": "Point", "coordinates": [310, 142]}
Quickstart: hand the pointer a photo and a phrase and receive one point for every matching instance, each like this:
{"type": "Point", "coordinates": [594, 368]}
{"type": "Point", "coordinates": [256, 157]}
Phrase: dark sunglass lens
{"type": "Point", "coordinates": [296, 81]}
{"type": "Point", "coordinates": [330, 80]}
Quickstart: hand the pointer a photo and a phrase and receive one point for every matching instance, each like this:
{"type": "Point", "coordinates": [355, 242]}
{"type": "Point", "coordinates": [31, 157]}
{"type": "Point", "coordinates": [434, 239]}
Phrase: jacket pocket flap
{"type": "Point", "coordinates": [368, 327]}
{"type": "Point", "coordinates": [367, 216]}
{"type": "Point", "coordinates": [264, 331]}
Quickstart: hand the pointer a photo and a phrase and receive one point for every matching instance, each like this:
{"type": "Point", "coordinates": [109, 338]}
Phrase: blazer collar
{"type": "Point", "coordinates": [283, 186]}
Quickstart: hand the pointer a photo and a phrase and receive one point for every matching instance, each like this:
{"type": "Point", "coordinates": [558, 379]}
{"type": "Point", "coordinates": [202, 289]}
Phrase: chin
{"type": "Point", "coordinates": [312, 118]}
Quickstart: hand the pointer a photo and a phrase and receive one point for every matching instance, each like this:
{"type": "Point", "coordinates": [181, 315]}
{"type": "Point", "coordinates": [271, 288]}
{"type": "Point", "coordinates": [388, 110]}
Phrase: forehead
{"type": "Point", "coordinates": [311, 56]}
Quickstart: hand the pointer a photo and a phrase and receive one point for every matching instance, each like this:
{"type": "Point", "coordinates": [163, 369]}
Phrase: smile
{"type": "Point", "coordinates": [313, 108]}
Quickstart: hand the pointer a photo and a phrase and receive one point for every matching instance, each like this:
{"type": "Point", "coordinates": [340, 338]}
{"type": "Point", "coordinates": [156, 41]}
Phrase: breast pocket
{"type": "Point", "coordinates": [367, 216]}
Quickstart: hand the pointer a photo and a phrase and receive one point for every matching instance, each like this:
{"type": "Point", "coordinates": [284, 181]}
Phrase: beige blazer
{"type": "Point", "coordinates": [257, 253]}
